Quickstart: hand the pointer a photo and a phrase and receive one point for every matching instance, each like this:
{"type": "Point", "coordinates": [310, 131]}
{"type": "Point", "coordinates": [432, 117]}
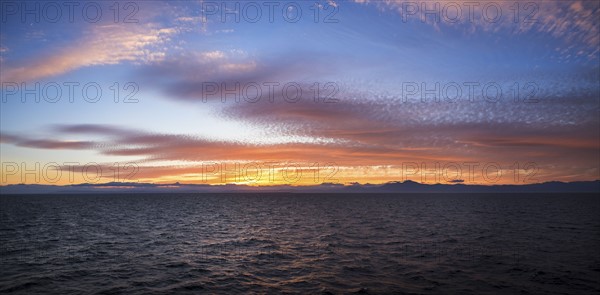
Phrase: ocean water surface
{"type": "Point", "coordinates": [300, 244]}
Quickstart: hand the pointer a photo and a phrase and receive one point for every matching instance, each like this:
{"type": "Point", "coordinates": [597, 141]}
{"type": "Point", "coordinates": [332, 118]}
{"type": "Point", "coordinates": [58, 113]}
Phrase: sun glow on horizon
{"type": "Point", "coordinates": [344, 92]}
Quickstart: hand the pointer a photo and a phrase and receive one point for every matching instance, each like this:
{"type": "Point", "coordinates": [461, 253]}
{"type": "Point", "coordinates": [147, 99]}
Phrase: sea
{"type": "Point", "coordinates": [300, 244]}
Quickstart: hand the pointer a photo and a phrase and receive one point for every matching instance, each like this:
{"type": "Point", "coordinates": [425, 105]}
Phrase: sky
{"type": "Point", "coordinates": [299, 92]}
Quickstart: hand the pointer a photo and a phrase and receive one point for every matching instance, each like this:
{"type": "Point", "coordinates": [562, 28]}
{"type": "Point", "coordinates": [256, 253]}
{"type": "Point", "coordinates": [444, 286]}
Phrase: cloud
{"type": "Point", "coordinates": [93, 129]}
{"type": "Point", "coordinates": [56, 145]}
{"type": "Point", "coordinates": [367, 125]}
{"type": "Point", "coordinates": [188, 74]}
{"type": "Point", "coordinates": [575, 22]}
{"type": "Point", "coordinates": [8, 138]}
{"type": "Point", "coordinates": [49, 144]}
{"type": "Point", "coordinates": [370, 125]}
{"type": "Point", "coordinates": [561, 152]}
{"type": "Point", "coordinates": [144, 38]}
{"type": "Point", "coordinates": [457, 181]}
{"type": "Point", "coordinates": [102, 45]}
{"type": "Point", "coordinates": [153, 147]}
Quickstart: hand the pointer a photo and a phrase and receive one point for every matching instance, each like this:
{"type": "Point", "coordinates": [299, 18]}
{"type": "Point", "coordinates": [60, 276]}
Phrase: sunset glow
{"type": "Point", "coordinates": [299, 93]}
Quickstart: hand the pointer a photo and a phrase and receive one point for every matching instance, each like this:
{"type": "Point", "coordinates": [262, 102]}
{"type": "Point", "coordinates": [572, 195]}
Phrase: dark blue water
{"type": "Point", "coordinates": [282, 243]}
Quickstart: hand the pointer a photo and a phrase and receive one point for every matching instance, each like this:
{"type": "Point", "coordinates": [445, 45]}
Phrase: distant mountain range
{"type": "Point", "coordinates": [390, 187]}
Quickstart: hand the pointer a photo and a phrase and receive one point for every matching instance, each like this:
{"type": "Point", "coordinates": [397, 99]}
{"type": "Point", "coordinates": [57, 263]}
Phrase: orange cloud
{"type": "Point", "coordinates": [102, 45]}
{"type": "Point", "coordinates": [411, 152]}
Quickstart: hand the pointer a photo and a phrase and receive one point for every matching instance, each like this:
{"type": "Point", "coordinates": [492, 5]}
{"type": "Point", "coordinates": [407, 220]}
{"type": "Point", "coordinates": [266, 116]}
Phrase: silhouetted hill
{"type": "Point", "coordinates": [390, 187]}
